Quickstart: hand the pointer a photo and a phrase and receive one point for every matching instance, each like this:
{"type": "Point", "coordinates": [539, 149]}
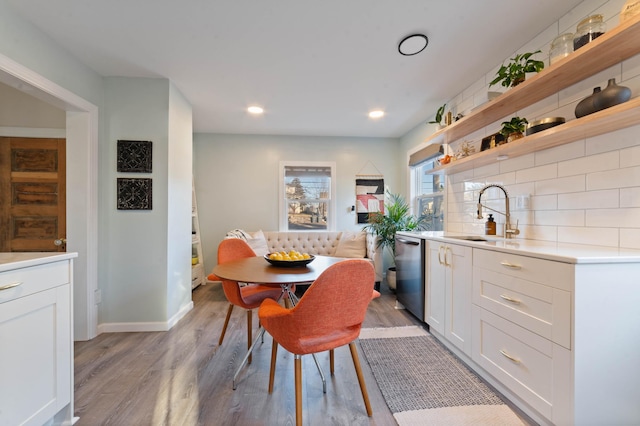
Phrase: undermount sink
{"type": "Point", "coordinates": [467, 237]}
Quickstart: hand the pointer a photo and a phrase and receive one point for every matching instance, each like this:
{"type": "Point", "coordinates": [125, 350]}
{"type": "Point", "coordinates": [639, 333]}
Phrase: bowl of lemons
{"type": "Point", "coordinates": [289, 259]}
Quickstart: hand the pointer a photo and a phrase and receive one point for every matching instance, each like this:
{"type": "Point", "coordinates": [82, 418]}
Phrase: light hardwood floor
{"type": "Point", "coordinates": [182, 377]}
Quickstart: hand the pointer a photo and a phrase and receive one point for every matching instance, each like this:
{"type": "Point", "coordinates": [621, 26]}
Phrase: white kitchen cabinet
{"type": "Point", "coordinates": [36, 335]}
{"type": "Point", "coordinates": [522, 327]}
{"type": "Point", "coordinates": [448, 293]}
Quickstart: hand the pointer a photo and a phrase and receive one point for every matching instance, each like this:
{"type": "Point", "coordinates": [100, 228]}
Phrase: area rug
{"type": "Point", "coordinates": [425, 384]}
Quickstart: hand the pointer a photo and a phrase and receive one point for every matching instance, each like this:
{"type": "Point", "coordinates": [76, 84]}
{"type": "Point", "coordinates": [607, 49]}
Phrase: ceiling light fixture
{"type": "Point", "coordinates": [413, 44]}
{"type": "Point", "coordinates": [255, 110]}
{"type": "Point", "coordinates": [376, 113]}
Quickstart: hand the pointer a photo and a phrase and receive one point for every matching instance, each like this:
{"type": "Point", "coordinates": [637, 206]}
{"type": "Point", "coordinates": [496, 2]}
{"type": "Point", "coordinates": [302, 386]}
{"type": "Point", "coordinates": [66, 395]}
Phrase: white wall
{"type": "Point", "coordinates": [236, 178]}
{"type": "Point", "coordinates": [141, 273]}
{"type": "Point", "coordinates": [180, 168]}
{"type": "Point", "coordinates": [586, 192]}
{"type": "Point", "coordinates": [18, 109]}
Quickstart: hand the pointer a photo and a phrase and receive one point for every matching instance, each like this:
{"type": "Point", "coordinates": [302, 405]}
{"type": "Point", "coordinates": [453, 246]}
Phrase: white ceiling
{"type": "Point", "coordinates": [317, 67]}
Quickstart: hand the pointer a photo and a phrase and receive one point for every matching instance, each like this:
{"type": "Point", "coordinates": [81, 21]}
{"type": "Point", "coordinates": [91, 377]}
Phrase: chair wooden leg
{"type": "Point", "coordinates": [331, 362]}
{"type": "Point", "coordinates": [226, 322]}
{"type": "Point", "coordinates": [272, 371]}
{"type": "Point", "coordinates": [363, 386]}
{"type": "Point", "coordinates": [249, 328]}
{"type": "Point", "coordinates": [298, 377]}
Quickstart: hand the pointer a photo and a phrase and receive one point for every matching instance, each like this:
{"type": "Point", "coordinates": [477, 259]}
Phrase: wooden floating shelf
{"type": "Point", "coordinates": [605, 121]}
{"type": "Point", "coordinates": [613, 47]}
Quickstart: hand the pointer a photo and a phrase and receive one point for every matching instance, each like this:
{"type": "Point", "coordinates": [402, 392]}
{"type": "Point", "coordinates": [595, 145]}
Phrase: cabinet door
{"type": "Point", "coordinates": [35, 368]}
{"type": "Point", "coordinates": [458, 297]}
{"type": "Point", "coordinates": [436, 284]}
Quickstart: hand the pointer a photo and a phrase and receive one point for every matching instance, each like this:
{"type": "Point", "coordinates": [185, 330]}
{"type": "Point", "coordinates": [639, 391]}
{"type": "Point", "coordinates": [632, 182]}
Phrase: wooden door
{"type": "Point", "coordinates": [32, 194]}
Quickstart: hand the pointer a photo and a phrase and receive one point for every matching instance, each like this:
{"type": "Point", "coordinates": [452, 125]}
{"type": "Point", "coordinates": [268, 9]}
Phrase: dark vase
{"type": "Point", "coordinates": [586, 106]}
{"type": "Point", "coordinates": [611, 95]}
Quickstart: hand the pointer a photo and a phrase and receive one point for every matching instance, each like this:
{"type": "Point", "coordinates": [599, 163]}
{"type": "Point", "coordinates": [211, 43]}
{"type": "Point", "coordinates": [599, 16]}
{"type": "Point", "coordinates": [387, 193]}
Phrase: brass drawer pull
{"type": "Point", "coordinates": [510, 265]}
{"type": "Point", "coordinates": [512, 358]}
{"type": "Point", "coordinates": [10, 285]}
{"type": "Point", "coordinates": [510, 299]}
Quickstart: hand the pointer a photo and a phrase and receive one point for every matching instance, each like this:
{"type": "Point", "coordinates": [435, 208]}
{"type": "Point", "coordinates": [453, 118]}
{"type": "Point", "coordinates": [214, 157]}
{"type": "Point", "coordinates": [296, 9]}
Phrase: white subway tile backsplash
{"type": "Point", "coordinates": [612, 141]}
{"type": "Point", "coordinates": [560, 153]}
{"type": "Point", "coordinates": [609, 198]}
{"type": "Point", "coordinates": [614, 218]}
{"type": "Point", "coordinates": [548, 171]}
{"type": "Point", "coordinates": [592, 163]}
{"type": "Point", "coordinates": [560, 218]}
{"type": "Point", "coordinates": [535, 232]}
{"type": "Point", "coordinates": [560, 185]}
{"type": "Point", "coordinates": [544, 202]}
{"type": "Point", "coordinates": [517, 163]}
{"type": "Point", "coordinates": [584, 192]}
{"type": "Point", "coordinates": [621, 178]}
{"type": "Point", "coordinates": [581, 235]}
{"type": "Point", "coordinates": [630, 238]}
{"type": "Point", "coordinates": [630, 197]}
{"type": "Point", "coordinates": [630, 157]}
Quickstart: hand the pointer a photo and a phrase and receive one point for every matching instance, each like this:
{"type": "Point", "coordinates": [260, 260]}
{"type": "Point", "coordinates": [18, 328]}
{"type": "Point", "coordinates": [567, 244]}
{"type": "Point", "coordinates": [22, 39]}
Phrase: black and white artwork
{"type": "Point", "coordinates": [134, 194]}
{"type": "Point", "coordinates": [135, 156]}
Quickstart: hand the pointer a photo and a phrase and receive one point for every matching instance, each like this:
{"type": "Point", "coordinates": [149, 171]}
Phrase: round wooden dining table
{"type": "Point", "coordinates": [257, 270]}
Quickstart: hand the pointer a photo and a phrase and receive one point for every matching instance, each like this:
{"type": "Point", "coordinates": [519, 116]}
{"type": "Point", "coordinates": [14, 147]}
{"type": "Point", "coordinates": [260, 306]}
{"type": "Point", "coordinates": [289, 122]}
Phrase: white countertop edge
{"type": "Point", "coordinates": [17, 260]}
{"type": "Point", "coordinates": [560, 252]}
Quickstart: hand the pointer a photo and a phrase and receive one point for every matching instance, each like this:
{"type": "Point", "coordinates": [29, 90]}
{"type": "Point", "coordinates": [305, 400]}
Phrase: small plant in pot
{"type": "Point", "coordinates": [396, 218]}
{"type": "Point", "coordinates": [514, 72]}
{"type": "Point", "coordinates": [513, 129]}
{"type": "Point", "coordinates": [439, 116]}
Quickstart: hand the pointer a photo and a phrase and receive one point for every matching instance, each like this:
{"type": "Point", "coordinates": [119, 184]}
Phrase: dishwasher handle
{"type": "Point", "coordinates": [403, 241]}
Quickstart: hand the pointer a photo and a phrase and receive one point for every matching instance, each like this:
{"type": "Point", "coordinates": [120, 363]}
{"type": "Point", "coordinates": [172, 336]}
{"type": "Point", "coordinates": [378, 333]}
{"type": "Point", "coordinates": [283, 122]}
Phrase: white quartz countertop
{"type": "Point", "coordinates": [561, 252]}
{"type": "Point", "coordinates": [11, 261]}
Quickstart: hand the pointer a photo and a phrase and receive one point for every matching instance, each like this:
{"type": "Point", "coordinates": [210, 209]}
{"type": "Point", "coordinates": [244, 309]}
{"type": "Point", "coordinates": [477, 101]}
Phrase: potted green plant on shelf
{"type": "Point", "coordinates": [438, 117]}
{"type": "Point", "coordinates": [514, 128]}
{"type": "Point", "coordinates": [397, 217]}
{"type": "Point", "coordinates": [514, 72]}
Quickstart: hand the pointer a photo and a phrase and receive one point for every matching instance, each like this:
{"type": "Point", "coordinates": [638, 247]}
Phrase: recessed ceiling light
{"type": "Point", "coordinates": [255, 110]}
{"type": "Point", "coordinates": [376, 113]}
{"type": "Point", "coordinates": [413, 44]}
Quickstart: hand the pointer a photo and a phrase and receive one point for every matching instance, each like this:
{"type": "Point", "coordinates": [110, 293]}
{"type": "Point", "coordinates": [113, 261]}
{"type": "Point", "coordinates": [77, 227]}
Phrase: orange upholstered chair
{"type": "Point", "coordinates": [248, 296]}
{"type": "Point", "coordinates": [329, 315]}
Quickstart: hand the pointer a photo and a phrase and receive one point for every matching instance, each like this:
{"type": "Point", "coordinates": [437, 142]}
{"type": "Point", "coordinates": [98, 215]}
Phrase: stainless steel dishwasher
{"type": "Point", "coordinates": [410, 262]}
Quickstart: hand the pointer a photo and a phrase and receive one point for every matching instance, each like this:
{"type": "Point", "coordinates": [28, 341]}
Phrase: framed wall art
{"type": "Point", "coordinates": [369, 196]}
{"type": "Point", "coordinates": [134, 156]}
{"type": "Point", "coordinates": [134, 194]}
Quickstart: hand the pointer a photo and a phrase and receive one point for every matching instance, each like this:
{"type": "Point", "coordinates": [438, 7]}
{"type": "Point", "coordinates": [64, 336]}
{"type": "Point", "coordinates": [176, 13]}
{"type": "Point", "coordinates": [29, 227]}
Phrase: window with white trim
{"type": "Point", "coordinates": [306, 192]}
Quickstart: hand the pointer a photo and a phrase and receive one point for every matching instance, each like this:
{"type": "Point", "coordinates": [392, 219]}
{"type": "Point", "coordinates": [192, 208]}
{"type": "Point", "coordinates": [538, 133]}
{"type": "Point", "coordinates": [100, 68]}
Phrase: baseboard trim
{"type": "Point", "coordinates": [137, 327]}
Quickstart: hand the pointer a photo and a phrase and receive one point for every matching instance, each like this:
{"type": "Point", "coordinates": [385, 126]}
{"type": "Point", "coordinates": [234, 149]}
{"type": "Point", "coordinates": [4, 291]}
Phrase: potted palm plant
{"type": "Point", "coordinates": [397, 217]}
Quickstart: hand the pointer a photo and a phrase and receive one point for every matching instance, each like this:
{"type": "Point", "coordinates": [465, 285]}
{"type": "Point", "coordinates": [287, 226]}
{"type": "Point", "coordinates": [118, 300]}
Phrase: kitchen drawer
{"type": "Point", "coordinates": [532, 367]}
{"type": "Point", "coordinates": [555, 274]}
{"type": "Point", "coordinates": [539, 308]}
{"type": "Point", "coordinates": [33, 279]}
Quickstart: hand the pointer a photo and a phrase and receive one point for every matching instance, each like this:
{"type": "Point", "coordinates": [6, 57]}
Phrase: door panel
{"type": "Point", "coordinates": [32, 194]}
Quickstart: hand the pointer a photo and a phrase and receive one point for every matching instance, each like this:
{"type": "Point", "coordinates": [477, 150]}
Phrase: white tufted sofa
{"type": "Point", "coordinates": [322, 243]}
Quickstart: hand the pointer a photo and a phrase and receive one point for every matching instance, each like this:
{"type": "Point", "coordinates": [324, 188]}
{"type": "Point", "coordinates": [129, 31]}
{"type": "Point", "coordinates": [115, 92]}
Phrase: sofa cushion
{"type": "Point", "coordinates": [352, 244]}
{"type": "Point", "coordinates": [256, 240]}
{"type": "Point", "coordinates": [258, 243]}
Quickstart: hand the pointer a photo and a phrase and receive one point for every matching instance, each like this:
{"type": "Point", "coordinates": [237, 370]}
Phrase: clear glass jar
{"type": "Point", "coordinates": [588, 30]}
{"type": "Point", "coordinates": [561, 47]}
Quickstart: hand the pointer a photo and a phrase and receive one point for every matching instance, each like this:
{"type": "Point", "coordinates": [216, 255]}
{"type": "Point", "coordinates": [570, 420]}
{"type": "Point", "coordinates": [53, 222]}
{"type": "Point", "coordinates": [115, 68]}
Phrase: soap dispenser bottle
{"type": "Point", "coordinates": [490, 226]}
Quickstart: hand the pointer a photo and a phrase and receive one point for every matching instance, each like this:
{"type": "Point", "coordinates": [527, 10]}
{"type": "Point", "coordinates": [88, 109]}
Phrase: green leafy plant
{"type": "Point", "coordinates": [396, 218]}
{"type": "Point", "coordinates": [514, 72]}
{"type": "Point", "coordinates": [515, 125]}
{"type": "Point", "coordinates": [439, 115]}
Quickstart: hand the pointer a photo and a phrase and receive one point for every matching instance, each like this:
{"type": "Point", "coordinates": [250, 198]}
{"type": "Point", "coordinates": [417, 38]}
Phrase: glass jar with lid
{"type": "Point", "coordinates": [561, 47]}
{"type": "Point", "coordinates": [588, 30]}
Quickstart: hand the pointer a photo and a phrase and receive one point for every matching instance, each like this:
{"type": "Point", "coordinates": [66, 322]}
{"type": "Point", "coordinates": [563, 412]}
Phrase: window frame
{"type": "Point", "coordinates": [283, 210]}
